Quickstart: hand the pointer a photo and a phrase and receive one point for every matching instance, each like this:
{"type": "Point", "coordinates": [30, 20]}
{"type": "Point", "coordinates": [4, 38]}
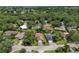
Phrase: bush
{"type": "Point", "coordinates": [75, 36]}
{"type": "Point", "coordinates": [22, 50]}
{"type": "Point", "coordinates": [67, 48]}
{"type": "Point", "coordinates": [61, 42]}
{"type": "Point", "coordinates": [75, 49]}
{"type": "Point", "coordinates": [64, 49]}
{"type": "Point", "coordinates": [29, 38]}
{"type": "Point", "coordinates": [6, 46]}
{"type": "Point", "coordinates": [60, 50]}
{"type": "Point", "coordinates": [33, 51]}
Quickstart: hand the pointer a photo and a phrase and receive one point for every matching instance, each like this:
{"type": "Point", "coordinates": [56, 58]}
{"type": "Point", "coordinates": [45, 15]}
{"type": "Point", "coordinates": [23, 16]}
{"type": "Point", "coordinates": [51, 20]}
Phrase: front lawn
{"type": "Point", "coordinates": [49, 51]}
{"type": "Point", "coordinates": [61, 42]}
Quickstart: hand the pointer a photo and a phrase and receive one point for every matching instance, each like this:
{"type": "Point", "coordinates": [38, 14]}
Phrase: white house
{"type": "Point", "coordinates": [24, 26]}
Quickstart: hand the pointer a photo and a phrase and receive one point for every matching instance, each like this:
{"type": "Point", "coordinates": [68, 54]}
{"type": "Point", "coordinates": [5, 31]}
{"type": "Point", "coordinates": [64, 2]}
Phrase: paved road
{"type": "Point", "coordinates": [36, 48]}
{"type": "Point", "coordinates": [40, 49]}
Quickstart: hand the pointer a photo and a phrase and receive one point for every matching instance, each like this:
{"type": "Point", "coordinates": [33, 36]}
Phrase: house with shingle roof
{"type": "Point", "coordinates": [40, 38]}
{"type": "Point", "coordinates": [62, 30]}
{"type": "Point", "coordinates": [20, 35]}
{"type": "Point", "coordinates": [9, 33]}
{"type": "Point", "coordinates": [47, 27]}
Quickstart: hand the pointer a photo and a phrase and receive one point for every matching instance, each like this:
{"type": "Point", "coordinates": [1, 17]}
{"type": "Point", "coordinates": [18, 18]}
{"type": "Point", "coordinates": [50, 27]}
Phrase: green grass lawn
{"type": "Point", "coordinates": [61, 42]}
{"type": "Point", "coordinates": [49, 51]}
{"type": "Point", "coordinates": [16, 41]}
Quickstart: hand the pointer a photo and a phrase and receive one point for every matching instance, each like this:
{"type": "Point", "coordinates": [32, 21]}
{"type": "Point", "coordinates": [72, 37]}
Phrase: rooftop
{"type": "Point", "coordinates": [8, 33]}
{"type": "Point", "coordinates": [24, 26]}
{"type": "Point", "coordinates": [20, 35]}
{"type": "Point", "coordinates": [49, 36]}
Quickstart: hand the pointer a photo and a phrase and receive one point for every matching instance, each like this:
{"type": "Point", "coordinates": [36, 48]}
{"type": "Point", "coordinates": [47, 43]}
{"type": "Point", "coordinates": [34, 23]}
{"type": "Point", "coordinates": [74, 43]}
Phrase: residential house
{"type": "Point", "coordinates": [20, 35]}
{"type": "Point", "coordinates": [64, 34]}
{"type": "Point", "coordinates": [62, 30]}
{"type": "Point", "coordinates": [50, 38]}
{"type": "Point", "coordinates": [24, 26]}
{"type": "Point", "coordinates": [40, 38]}
{"type": "Point", "coordinates": [47, 27]}
{"type": "Point", "coordinates": [9, 33]}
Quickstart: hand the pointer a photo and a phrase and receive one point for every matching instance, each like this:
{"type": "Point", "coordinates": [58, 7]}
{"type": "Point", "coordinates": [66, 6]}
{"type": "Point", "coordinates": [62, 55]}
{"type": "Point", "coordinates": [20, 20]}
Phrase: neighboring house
{"type": "Point", "coordinates": [50, 38]}
{"type": "Point", "coordinates": [40, 38]}
{"type": "Point", "coordinates": [9, 33]}
{"type": "Point", "coordinates": [20, 35]}
{"type": "Point", "coordinates": [64, 34]}
{"type": "Point", "coordinates": [47, 27]}
{"type": "Point", "coordinates": [24, 26]}
{"type": "Point", "coordinates": [62, 30]}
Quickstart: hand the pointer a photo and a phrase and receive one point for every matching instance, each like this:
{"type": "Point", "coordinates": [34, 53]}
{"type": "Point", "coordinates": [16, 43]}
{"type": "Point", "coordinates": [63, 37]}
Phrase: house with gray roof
{"type": "Point", "coordinates": [20, 35]}
{"type": "Point", "coordinates": [50, 38]}
{"type": "Point", "coordinates": [61, 28]}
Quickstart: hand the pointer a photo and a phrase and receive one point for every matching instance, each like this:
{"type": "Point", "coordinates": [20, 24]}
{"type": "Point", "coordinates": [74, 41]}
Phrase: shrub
{"type": "Point", "coordinates": [75, 36]}
{"type": "Point", "coordinates": [64, 49]}
{"type": "Point", "coordinates": [33, 51]}
{"type": "Point", "coordinates": [60, 50]}
{"type": "Point", "coordinates": [61, 42]}
{"type": "Point", "coordinates": [22, 50]}
{"type": "Point", "coordinates": [75, 49]}
{"type": "Point", "coordinates": [67, 48]}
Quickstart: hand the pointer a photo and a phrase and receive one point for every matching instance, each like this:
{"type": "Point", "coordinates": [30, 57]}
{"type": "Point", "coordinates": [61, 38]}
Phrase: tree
{"type": "Point", "coordinates": [5, 46]}
{"type": "Point", "coordinates": [75, 36]}
{"type": "Point", "coordinates": [67, 48]}
{"type": "Point", "coordinates": [29, 38]}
